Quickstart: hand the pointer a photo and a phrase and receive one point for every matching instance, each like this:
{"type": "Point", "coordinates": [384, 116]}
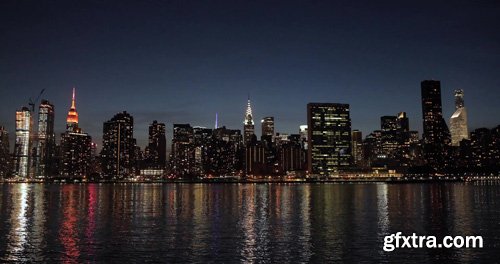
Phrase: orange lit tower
{"type": "Point", "coordinates": [72, 119]}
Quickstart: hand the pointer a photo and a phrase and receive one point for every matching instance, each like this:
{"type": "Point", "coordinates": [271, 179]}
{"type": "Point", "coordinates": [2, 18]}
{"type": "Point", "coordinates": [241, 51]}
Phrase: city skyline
{"type": "Point", "coordinates": [179, 62]}
{"type": "Point", "coordinates": [142, 139]}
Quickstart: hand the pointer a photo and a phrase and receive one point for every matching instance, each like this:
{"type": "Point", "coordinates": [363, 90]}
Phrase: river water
{"type": "Point", "coordinates": [264, 223]}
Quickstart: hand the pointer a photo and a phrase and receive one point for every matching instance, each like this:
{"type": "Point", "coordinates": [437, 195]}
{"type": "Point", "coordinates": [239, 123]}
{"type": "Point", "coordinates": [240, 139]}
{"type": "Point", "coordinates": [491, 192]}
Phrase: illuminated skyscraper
{"type": "Point", "coordinates": [329, 138]}
{"type": "Point", "coordinates": [248, 127]}
{"type": "Point", "coordinates": [436, 134]}
{"type": "Point", "coordinates": [5, 159]}
{"type": "Point", "coordinates": [76, 148]}
{"type": "Point", "coordinates": [46, 141]}
{"type": "Point", "coordinates": [72, 118]}
{"type": "Point", "coordinates": [22, 148]}
{"type": "Point", "coordinates": [458, 121]}
{"type": "Point", "coordinates": [118, 150]}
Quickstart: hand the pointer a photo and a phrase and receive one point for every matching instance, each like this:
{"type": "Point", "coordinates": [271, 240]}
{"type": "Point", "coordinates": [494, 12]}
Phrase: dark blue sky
{"type": "Point", "coordinates": [183, 61]}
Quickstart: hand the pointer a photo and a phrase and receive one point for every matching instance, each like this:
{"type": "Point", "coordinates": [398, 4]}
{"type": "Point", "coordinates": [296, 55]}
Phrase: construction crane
{"type": "Point", "coordinates": [33, 102]}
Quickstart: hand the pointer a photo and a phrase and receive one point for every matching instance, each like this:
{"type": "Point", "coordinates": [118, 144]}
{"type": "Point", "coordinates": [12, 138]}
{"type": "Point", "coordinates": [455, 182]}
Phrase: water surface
{"type": "Point", "coordinates": [243, 222]}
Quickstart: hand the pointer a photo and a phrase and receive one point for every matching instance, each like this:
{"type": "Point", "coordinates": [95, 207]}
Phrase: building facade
{"type": "Point", "coordinates": [156, 151]}
{"type": "Point", "coordinates": [329, 138]}
{"type": "Point", "coordinates": [267, 124]}
{"type": "Point", "coordinates": [23, 143]}
{"type": "Point", "coordinates": [46, 141]}
{"type": "Point", "coordinates": [5, 158]}
{"type": "Point", "coordinates": [436, 136]}
{"type": "Point", "coordinates": [458, 122]}
{"type": "Point", "coordinates": [119, 147]}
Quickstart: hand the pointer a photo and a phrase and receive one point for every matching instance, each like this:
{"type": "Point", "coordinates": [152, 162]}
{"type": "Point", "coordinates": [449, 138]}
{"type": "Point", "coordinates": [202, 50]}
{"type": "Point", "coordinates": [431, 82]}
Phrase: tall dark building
{"type": "Point", "coordinates": [267, 126]}
{"type": "Point", "coordinates": [357, 147]}
{"type": "Point", "coordinates": [119, 147]}
{"type": "Point", "coordinates": [390, 129]}
{"type": "Point", "coordinates": [156, 151]}
{"type": "Point", "coordinates": [436, 135]}
{"type": "Point", "coordinates": [291, 156]}
{"type": "Point", "coordinates": [76, 148]}
{"type": "Point", "coordinates": [5, 158]}
{"type": "Point", "coordinates": [46, 141]}
{"type": "Point", "coordinates": [329, 138]}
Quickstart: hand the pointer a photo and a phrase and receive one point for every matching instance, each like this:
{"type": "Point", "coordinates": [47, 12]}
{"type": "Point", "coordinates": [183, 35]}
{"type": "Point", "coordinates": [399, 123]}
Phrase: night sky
{"type": "Point", "coordinates": [183, 61]}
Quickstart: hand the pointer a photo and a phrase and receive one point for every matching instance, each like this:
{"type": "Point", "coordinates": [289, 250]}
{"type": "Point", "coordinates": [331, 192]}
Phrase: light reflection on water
{"type": "Point", "coordinates": [242, 222]}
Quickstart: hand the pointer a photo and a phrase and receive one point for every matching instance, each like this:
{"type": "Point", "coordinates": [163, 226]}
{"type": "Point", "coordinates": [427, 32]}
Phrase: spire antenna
{"type": "Point", "coordinates": [216, 120]}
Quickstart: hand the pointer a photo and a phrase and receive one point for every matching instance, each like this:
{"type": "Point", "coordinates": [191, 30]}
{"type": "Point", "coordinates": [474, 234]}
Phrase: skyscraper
{"type": "Point", "coordinates": [22, 148]}
{"type": "Point", "coordinates": [76, 148]}
{"type": "Point", "coordinates": [118, 150]}
{"type": "Point", "coordinates": [5, 159]}
{"type": "Point", "coordinates": [303, 135]}
{"type": "Point", "coordinates": [267, 126]}
{"type": "Point", "coordinates": [72, 118]}
{"type": "Point", "coordinates": [436, 134]}
{"type": "Point", "coordinates": [182, 161]}
{"type": "Point", "coordinates": [357, 147]}
{"type": "Point", "coordinates": [46, 141]}
{"type": "Point", "coordinates": [389, 126]}
{"type": "Point", "coordinates": [329, 138]}
{"type": "Point", "coordinates": [248, 124]}
{"type": "Point", "coordinates": [156, 152]}
{"type": "Point", "coordinates": [458, 121]}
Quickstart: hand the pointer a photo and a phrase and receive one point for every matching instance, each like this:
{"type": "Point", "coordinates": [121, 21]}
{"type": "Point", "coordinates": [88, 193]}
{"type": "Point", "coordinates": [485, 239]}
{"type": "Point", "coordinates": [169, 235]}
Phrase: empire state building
{"type": "Point", "coordinates": [72, 118]}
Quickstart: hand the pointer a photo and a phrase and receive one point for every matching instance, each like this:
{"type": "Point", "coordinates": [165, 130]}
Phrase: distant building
{"type": "Point", "coordinates": [303, 135]}
{"type": "Point", "coordinates": [291, 155]}
{"type": "Point", "coordinates": [484, 149]}
{"type": "Point", "coordinates": [357, 147]}
{"type": "Point", "coordinates": [267, 124]}
{"type": "Point", "coordinates": [182, 160]}
{"type": "Point", "coordinates": [119, 147]}
{"type": "Point", "coordinates": [436, 137]}
{"type": "Point", "coordinates": [23, 144]}
{"type": "Point", "coordinates": [329, 138]}
{"type": "Point", "coordinates": [156, 151]}
{"type": "Point", "coordinates": [458, 121]}
{"type": "Point", "coordinates": [224, 153]}
{"type": "Point", "coordinates": [248, 124]}
{"type": "Point", "coordinates": [5, 158]}
{"type": "Point", "coordinates": [76, 148]}
{"type": "Point", "coordinates": [256, 159]}
{"type": "Point", "coordinates": [46, 142]}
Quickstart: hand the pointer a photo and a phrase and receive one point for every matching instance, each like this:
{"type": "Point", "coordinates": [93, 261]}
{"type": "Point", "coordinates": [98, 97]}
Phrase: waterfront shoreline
{"type": "Point", "coordinates": [391, 180]}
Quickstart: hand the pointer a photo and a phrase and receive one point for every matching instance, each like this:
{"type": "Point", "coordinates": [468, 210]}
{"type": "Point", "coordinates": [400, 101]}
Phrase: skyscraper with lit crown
{"type": "Point", "coordinates": [72, 118]}
{"type": "Point", "coordinates": [76, 148]}
{"type": "Point", "coordinates": [248, 124]}
{"type": "Point", "coordinates": [458, 121]}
